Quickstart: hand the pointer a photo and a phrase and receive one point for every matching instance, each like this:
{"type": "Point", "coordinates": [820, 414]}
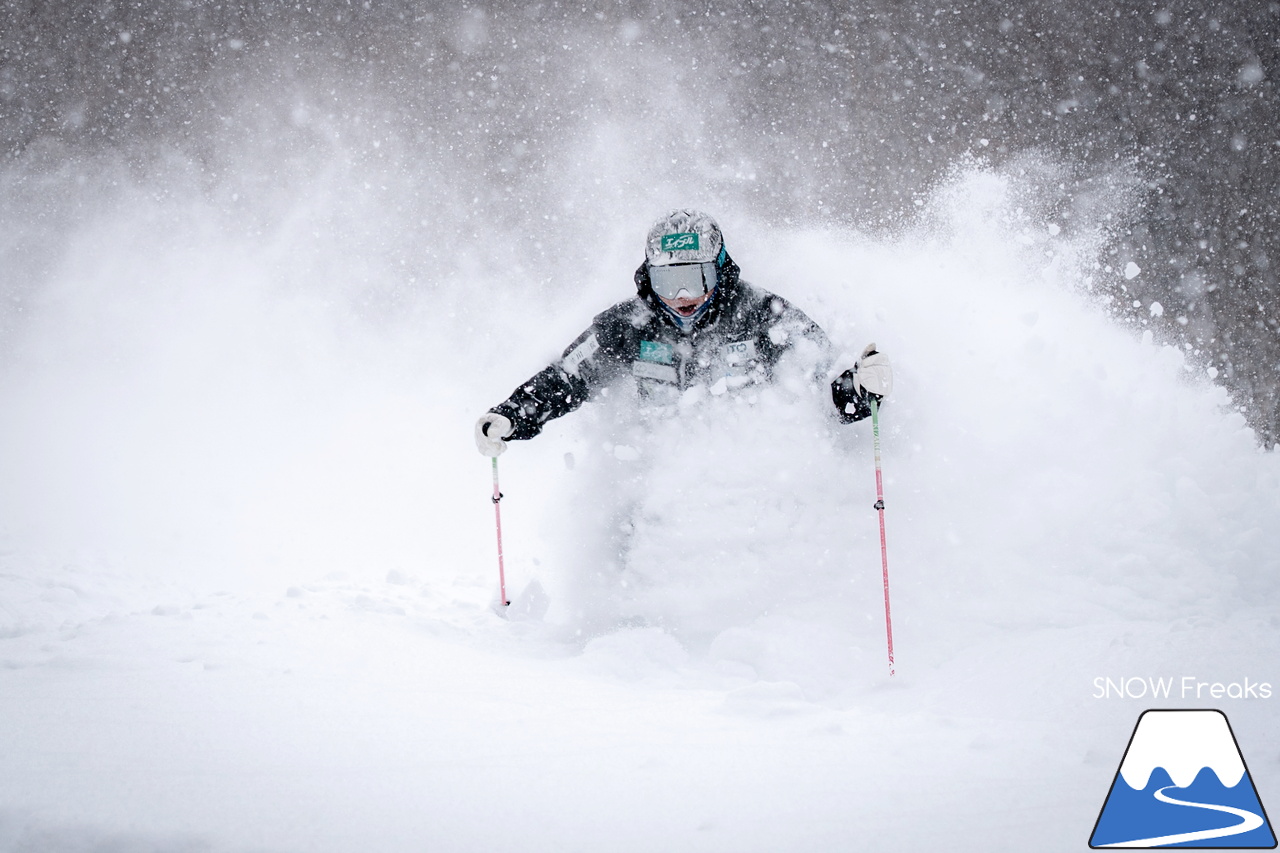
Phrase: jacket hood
{"type": "Point", "coordinates": [726, 286]}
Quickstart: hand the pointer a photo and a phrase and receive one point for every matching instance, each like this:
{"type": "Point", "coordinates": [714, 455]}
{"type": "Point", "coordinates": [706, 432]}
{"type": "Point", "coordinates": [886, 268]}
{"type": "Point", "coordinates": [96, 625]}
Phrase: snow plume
{"type": "Point", "coordinates": [1045, 467]}
{"type": "Point", "coordinates": [250, 350]}
{"type": "Point", "coordinates": [193, 362]}
{"type": "Point", "coordinates": [279, 383]}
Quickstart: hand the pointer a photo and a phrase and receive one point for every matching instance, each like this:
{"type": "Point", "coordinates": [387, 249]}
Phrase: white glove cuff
{"type": "Point", "coordinates": [491, 429]}
{"type": "Point", "coordinates": [873, 374]}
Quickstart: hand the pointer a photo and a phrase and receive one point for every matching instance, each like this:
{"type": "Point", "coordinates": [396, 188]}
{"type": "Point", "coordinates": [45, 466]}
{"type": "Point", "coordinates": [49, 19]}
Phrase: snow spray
{"type": "Point", "coordinates": [879, 506]}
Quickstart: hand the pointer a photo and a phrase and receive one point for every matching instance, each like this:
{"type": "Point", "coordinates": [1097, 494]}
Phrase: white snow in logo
{"type": "Point", "coordinates": [1183, 743]}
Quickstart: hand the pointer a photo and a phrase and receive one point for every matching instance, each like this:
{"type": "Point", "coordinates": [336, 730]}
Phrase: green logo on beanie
{"type": "Point", "coordinates": [687, 242]}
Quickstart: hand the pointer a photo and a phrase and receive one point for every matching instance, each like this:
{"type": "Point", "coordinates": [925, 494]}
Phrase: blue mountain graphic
{"type": "Point", "coordinates": [1131, 814]}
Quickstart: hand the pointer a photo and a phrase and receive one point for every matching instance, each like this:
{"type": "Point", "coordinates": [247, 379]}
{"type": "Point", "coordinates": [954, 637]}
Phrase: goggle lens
{"type": "Point", "coordinates": [696, 279]}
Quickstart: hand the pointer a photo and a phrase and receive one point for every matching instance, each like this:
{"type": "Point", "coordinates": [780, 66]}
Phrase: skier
{"type": "Point", "coordinates": [693, 322]}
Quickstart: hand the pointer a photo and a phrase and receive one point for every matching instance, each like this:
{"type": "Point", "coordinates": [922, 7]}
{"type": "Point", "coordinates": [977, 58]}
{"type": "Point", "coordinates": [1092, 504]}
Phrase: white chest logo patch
{"type": "Point", "coordinates": [738, 353]}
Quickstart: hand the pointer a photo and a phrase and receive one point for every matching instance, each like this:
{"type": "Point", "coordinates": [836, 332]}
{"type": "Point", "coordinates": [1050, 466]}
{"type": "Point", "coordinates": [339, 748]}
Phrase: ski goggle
{"type": "Point", "coordinates": [697, 279]}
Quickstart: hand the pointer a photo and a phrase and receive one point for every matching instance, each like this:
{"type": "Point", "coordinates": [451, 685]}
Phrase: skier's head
{"type": "Point", "coordinates": [684, 258]}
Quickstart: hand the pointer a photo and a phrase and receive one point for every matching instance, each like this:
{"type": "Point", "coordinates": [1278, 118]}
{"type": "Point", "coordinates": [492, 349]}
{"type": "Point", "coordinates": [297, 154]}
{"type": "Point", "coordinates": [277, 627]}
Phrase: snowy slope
{"type": "Point", "coordinates": [248, 557]}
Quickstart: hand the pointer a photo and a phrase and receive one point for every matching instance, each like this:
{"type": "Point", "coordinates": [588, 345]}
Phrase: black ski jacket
{"type": "Point", "coordinates": [738, 341]}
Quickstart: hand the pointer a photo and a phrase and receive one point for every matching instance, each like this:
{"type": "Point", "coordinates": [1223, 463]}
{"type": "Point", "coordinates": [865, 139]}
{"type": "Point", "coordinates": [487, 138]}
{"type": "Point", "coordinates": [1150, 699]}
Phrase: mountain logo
{"type": "Point", "coordinates": [1183, 783]}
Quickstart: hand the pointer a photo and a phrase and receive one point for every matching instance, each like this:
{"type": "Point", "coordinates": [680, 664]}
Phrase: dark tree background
{"type": "Point", "coordinates": [836, 113]}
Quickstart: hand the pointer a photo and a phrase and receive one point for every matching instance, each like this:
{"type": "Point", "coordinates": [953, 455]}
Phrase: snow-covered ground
{"type": "Point", "coordinates": [248, 554]}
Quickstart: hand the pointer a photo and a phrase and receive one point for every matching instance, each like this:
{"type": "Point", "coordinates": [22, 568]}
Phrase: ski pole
{"type": "Point", "coordinates": [879, 507]}
{"type": "Point", "coordinates": [497, 520]}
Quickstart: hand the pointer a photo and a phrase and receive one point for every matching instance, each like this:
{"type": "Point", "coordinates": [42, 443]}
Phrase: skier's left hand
{"type": "Point", "coordinates": [491, 431]}
{"type": "Point", "coordinates": [873, 374]}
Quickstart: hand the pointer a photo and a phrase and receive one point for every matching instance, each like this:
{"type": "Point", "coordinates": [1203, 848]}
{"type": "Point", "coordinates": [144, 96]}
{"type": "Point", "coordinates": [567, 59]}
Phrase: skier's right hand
{"type": "Point", "coordinates": [491, 429]}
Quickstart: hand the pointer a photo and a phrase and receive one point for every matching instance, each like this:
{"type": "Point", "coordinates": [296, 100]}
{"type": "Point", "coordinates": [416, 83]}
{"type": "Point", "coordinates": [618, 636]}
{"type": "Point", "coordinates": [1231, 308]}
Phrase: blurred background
{"type": "Point", "coordinates": [428, 137]}
{"type": "Point", "coordinates": [262, 263]}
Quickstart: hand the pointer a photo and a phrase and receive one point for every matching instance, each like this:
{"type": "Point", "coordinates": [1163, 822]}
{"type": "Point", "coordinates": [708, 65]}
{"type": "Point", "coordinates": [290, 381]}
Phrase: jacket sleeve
{"type": "Point", "coordinates": [588, 364]}
{"type": "Point", "coordinates": [850, 405]}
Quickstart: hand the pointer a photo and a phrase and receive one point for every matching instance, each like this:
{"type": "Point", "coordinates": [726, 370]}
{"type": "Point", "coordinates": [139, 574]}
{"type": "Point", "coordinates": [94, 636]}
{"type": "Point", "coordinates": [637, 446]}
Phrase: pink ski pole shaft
{"type": "Point", "coordinates": [879, 506]}
{"type": "Point", "coordinates": [497, 520]}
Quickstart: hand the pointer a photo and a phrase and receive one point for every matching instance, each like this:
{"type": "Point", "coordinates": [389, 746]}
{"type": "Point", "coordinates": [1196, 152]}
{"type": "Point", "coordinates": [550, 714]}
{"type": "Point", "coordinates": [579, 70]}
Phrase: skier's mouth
{"type": "Point", "coordinates": [686, 306]}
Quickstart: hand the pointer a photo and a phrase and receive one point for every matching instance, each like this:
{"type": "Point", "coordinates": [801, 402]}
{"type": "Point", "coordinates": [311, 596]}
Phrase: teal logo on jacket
{"type": "Point", "coordinates": [657, 352]}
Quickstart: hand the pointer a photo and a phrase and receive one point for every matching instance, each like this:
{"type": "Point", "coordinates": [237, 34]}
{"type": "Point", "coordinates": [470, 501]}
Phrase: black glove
{"type": "Point", "coordinates": [852, 402]}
